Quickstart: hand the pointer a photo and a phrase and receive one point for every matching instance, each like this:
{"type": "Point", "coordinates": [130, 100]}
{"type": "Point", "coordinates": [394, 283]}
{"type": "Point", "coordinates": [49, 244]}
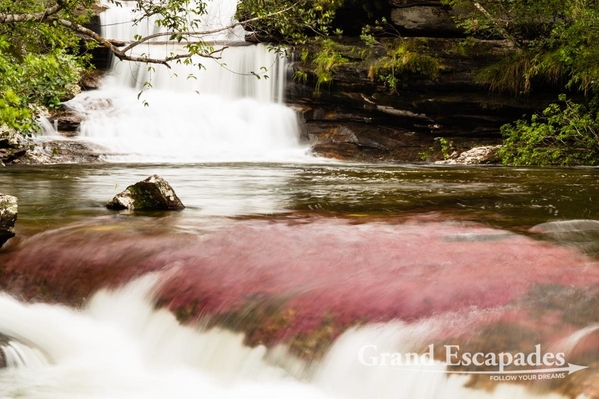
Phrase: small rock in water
{"type": "Point", "coordinates": [567, 226]}
{"type": "Point", "coordinates": [8, 217]}
{"type": "Point", "coordinates": [153, 193]}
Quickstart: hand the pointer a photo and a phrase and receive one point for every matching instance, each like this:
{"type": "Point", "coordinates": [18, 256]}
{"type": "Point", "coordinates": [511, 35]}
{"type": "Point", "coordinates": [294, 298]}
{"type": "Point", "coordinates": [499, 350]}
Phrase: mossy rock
{"type": "Point", "coordinates": [153, 193]}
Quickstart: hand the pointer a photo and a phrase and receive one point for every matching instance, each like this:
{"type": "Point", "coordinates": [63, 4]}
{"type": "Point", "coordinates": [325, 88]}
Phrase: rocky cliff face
{"type": "Point", "coordinates": [357, 116]}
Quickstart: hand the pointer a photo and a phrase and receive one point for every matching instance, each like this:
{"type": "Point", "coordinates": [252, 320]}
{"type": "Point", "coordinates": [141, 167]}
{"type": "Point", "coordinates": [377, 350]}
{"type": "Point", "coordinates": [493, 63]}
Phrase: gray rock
{"type": "Point", "coordinates": [567, 226]}
{"type": "Point", "coordinates": [153, 193]}
{"type": "Point", "coordinates": [8, 217]}
{"type": "Point", "coordinates": [50, 152]}
{"type": "Point", "coordinates": [478, 155]}
{"type": "Point", "coordinates": [424, 18]}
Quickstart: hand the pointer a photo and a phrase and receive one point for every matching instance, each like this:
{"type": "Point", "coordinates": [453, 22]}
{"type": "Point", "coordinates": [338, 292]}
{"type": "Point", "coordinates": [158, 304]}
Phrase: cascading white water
{"type": "Point", "coordinates": [18, 355]}
{"type": "Point", "coordinates": [120, 346]}
{"type": "Point", "coordinates": [226, 111]}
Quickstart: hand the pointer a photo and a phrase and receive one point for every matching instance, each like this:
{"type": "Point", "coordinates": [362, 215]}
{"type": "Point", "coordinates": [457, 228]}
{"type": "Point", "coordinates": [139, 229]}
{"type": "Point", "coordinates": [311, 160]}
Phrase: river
{"type": "Point", "coordinates": [286, 275]}
{"type": "Point", "coordinates": [426, 255]}
{"type": "Point", "coordinates": [504, 197]}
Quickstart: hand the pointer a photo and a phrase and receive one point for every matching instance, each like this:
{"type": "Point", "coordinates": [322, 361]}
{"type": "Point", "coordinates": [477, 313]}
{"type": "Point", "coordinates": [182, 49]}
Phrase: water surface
{"type": "Point", "coordinates": [507, 197]}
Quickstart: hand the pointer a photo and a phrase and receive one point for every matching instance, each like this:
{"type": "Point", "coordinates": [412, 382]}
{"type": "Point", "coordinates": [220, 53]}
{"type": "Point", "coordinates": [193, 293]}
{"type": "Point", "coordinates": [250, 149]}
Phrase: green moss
{"type": "Point", "coordinates": [404, 58]}
{"type": "Point", "coordinates": [325, 61]}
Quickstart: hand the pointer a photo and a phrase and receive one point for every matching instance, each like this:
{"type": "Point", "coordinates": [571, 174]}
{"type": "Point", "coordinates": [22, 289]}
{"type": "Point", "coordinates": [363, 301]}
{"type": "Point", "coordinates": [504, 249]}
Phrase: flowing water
{"type": "Point", "coordinates": [284, 270]}
{"type": "Point", "coordinates": [229, 110]}
{"type": "Point", "coordinates": [118, 345]}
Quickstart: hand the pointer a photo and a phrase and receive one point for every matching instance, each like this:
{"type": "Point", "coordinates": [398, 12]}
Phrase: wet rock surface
{"type": "Point", "coordinates": [92, 80]}
{"type": "Point", "coordinates": [421, 19]}
{"type": "Point", "coordinates": [153, 193]}
{"type": "Point", "coordinates": [475, 156]}
{"type": "Point", "coordinates": [12, 146]}
{"type": "Point", "coordinates": [323, 276]}
{"type": "Point", "coordinates": [66, 122]}
{"type": "Point", "coordinates": [60, 151]}
{"type": "Point", "coordinates": [8, 217]}
{"type": "Point", "coordinates": [453, 102]}
{"type": "Point", "coordinates": [3, 341]}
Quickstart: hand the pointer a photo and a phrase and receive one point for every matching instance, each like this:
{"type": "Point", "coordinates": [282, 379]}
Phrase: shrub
{"type": "Point", "coordinates": [566, 134]}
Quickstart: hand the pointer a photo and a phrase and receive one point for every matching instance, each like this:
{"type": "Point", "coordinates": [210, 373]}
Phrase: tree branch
{"type": "Point", "coordinates": [113, 45]}
{"type": "Point", "coordinates": [38, 16]}
{"type": "Point", "coordinates": [208, 32]}
{"type": "Point", "coordinates": [497, 25]}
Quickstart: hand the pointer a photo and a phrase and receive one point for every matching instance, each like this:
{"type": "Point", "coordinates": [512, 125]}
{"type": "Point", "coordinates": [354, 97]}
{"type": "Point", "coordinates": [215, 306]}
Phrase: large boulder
{"type": "Point", "coordinates": [8, 217]}
{"type": "Point", "coordinates": [153, 193]}
{"type": "Point", "coordinates": [433, 20]}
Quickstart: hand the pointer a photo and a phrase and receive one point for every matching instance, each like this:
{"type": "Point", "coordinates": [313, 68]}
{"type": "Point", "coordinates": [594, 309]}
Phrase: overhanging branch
{"type": "Point", "coordinates": [506, 35]}
{"type": "Point", "coordinates": [49, 16]}
{"type": "Point", "coordinates": [208, 32]}
{"type": "Point", "coordinates": [6, 18]}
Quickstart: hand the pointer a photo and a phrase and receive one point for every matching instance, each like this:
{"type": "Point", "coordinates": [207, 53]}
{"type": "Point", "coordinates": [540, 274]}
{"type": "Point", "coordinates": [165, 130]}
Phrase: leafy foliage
{"type": "Point", "coordinates": [566, 134]}
{"type": "Point", "coordinates": [554, 41]}
{"type": "Point", "coordinates": [402, 56]}
{"type": "Point", "coordinates": [325, 61]}
{"type": "Point", "coordinates": [307, 18]}
{"type": "Point", "coordinates": [518, 72]}
{"type": "Point", "coordinates": [38, 67]}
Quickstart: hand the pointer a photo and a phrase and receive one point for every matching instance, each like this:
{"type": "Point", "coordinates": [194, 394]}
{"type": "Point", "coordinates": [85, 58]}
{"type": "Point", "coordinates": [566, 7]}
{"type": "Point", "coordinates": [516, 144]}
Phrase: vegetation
{"type": "Point", "coordinates": [304, 19]}
{"type": "Point", "coordinates": [566, 134]}
{"type": "Point", "coordinates": [444, 148]}
{"type": "Point", "coordinates": [325, 61]}
{"type": "Point", "coordinates": [38, 67]}
{"type": "Point", "coordinates": [402, 56]}
{"type": "Point", "coordinates": [42, 52]}
{"type": "Point", "coordinates": [554, 42]}
{"type": "Point", "coordinates": [388, 57]}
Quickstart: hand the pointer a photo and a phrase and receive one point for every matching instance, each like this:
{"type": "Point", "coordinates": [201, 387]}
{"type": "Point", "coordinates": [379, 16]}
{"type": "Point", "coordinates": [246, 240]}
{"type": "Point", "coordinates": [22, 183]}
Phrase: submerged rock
{"type": "Point", "coordinates": [566, 226]}
{"type": "Point", "coordinates": [153, 193]}
{"type": "Point", "coordinates": [8, 217]}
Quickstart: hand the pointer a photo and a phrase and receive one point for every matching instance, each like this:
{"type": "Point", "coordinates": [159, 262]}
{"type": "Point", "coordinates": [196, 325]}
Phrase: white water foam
{"type": "Point", "coordinates": [342, 374]}
{"type": "Point", "coordinates": [121, 347]}
{"type": "Point", "coordinates": [17, 354]}
{"type": "Point", "coordinates": [221, 113]}
{"type": "Point", "coordinates": [186, 127]}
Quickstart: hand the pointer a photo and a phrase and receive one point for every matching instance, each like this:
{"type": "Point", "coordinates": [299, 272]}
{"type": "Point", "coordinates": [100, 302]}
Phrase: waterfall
{"type": "Point", "coordinates": [230, 109]}
{"type": "Point", "coordinates": [17, 354]}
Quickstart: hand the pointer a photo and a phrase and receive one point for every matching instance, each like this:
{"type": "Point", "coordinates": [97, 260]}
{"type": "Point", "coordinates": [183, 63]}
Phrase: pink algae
{"type": "Point", "coordinates": [293, 278]}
